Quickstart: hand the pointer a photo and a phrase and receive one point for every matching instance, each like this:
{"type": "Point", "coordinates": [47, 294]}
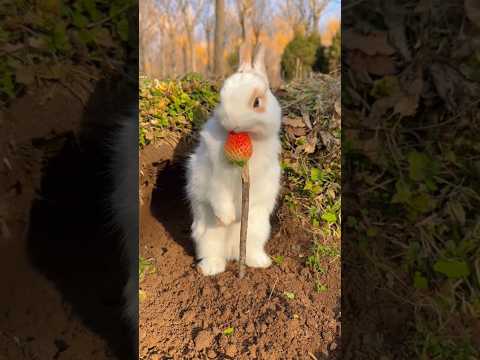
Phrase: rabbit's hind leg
{"type": "Point", "coordinates": [258, 234]}
{"type": "Point", "coordinates": [209, 238]}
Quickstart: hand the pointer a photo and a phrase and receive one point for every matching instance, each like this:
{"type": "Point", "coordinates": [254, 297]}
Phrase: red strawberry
{"type": "Point", "coordinates": [238, 148]}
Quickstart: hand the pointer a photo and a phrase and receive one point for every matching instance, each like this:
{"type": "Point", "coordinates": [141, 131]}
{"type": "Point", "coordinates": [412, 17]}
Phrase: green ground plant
{"type": "Point", "coordinates": [174, 108]}
{"type": "Point", "coordinates": [55, 40]}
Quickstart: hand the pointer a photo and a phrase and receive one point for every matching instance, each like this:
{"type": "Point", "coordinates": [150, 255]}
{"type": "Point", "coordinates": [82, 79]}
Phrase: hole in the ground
{"type": "Point", "coordinates": [169, 204]}
{"type": "Point", "coordinates": [69, 245]}
{"type": "Point", "coordinates": [68, 240]}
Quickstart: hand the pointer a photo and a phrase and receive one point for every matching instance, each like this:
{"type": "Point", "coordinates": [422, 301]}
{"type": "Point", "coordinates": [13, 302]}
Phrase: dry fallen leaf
{"type": "Point", "coordinates": [375, 64]}
{"type": "Point", "coordinates": [379, 108]}
{"type": "Point", "coordinates": [338, 108]}
{"type": "Point", "coordinates": [25, 75]}
{"type": "Point", "coordinates": [406, 106]}
{"type": "Point", "coordinates": [394, 16]}
{"type": "Point", "coordinates": [444, 81]}
{"type": "Point", "coordinates": [375, 43]}
{"type": "Point", "coordinates": [299, 131]}
{"type": "Point", "coordinates": [423, 6]}
{"type": "Point", "coordinates": [311, 144]}
{"type": "Point", "coordinates": [328, 139]}
{"type": "Point", "coordinates": [293, 122]}
{"type": "Point", "coordinates": [306, 120]}
{"type": "Point", "coordinates": [472, 9]}
{"type": "Point", "coordinates": [5, 231]}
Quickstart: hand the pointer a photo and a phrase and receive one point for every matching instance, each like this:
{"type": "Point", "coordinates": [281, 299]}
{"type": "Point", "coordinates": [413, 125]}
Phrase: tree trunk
{"type": "Point", "coordinates": [315, 19]}
{"type": "Point", "coordinates": [185, 58]}
{"type": "Point", "coordinates": [208, 36]}
{"type": "Point", "coordinates": [163, 55]}
{"type": "Point", "coordinates": [243, 27]}
{"type": "Point", "coordinates": [173, 56]}
{"type": "Point", "coordinates": [192, 53]}
{"type": "Point", "coordinates": [219, 36]}
{"type": "Point", "coordinates": [256, 37]}
{"type": "Point", "coordinates": [191, 48]}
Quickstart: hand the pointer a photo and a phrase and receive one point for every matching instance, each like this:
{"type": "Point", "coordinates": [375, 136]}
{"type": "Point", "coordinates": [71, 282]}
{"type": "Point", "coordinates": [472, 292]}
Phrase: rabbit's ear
{"type": "Point", "coordinates": [259, 60]}
{"type": "Point", "coordinates": [244, 58]}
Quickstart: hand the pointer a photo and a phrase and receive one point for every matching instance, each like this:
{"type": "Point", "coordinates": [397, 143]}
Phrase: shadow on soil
{"type": "Point", "coordinates": [169, 203]}
{"type": "Point", "coordinates": [68, 241]}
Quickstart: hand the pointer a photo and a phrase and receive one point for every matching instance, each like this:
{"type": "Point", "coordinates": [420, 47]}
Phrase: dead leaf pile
{"type": "Point", "coordinates": [410, 101]}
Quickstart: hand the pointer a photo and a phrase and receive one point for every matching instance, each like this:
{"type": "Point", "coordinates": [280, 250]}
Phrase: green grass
{"type": "Point", "coordinates": [322, 256]}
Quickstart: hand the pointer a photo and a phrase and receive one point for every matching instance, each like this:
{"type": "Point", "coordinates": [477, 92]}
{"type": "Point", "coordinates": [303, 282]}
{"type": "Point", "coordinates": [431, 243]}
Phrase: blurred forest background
{"type": "Point", "coordinates": [203, 36]}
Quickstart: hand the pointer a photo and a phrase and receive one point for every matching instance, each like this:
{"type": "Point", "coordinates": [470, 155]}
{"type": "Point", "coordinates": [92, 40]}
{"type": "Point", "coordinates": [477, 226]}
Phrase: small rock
{"type": "Point", "coordinates": [293, 327]}
{"type": "Point", "coordinates": [211, 354]}
{"type": "Point", "coordinates": [231, 350]}
{"type": "Point", "coordinates": [223, 341]}
{"type": "Point", "coordinates": [203, 340]}
{"type": "Point", "coordinates": [188, 316]}
{"type": "Point", "coordinates": [327, 335]}
{"type": "Point", "coordinates": [263, 328]}
{"type": "Point", "coordinates": [305, 273]}
{"type": "Point", "coordinates": [207, 291]}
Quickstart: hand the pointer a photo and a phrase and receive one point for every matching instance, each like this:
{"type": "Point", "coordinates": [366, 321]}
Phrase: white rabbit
{"type": "Point", "coordinates": [214, 184]}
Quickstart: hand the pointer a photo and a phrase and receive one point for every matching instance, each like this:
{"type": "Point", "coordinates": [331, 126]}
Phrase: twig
{"type": "Point", "coordinates": [108, 18]}
{"type": "Point", "coordinates": [273, 288]}
{"type": "Point", "coordinates": [244, 219]}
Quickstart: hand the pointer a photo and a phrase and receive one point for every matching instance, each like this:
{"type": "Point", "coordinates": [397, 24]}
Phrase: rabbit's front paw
{"type": "Point", "coordinates": [225, 216]}
{"type": "Point", "coordinates": [258, 259]}
{"type": "Point", "coordinates": [212, 265]}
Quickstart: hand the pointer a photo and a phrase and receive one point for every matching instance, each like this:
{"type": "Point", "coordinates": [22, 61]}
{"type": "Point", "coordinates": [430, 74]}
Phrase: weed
{"type": "Point", "coordinates": [278, 259]}
{"type": "Point", "coordinates": [319, 287]}
{"type": "Point", "coordinates": [172, 108]}
{"type": "Point", "coordinates": [321, 254]}
{"type": "Point", "coordinates": [145, 267]}
{"type": "Point", "coordinates": [229, 331]}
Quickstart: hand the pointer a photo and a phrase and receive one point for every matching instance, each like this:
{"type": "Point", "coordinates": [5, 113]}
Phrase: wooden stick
{"type": "Point", "coordinates": [244, 220]}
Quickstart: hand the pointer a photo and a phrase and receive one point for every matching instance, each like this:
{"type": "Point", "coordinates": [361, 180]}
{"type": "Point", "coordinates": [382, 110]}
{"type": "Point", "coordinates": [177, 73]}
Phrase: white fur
{"type": "Point", "coordinates": [214, 185]}
{"type": "Point", "coordinates": [124, 206]}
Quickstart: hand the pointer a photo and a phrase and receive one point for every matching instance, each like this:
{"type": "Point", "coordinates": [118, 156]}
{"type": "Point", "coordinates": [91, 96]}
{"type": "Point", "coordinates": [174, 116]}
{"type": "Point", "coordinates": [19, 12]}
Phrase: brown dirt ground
{"type": "Point", "coordinates": [184, 314]}
{"type": "Point", "coordinates": [39, 316]}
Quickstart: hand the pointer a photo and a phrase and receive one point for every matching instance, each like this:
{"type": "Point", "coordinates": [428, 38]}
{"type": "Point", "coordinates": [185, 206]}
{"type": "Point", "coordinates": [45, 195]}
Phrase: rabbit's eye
{"type": "Point", "coordinates": [256, 103]}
